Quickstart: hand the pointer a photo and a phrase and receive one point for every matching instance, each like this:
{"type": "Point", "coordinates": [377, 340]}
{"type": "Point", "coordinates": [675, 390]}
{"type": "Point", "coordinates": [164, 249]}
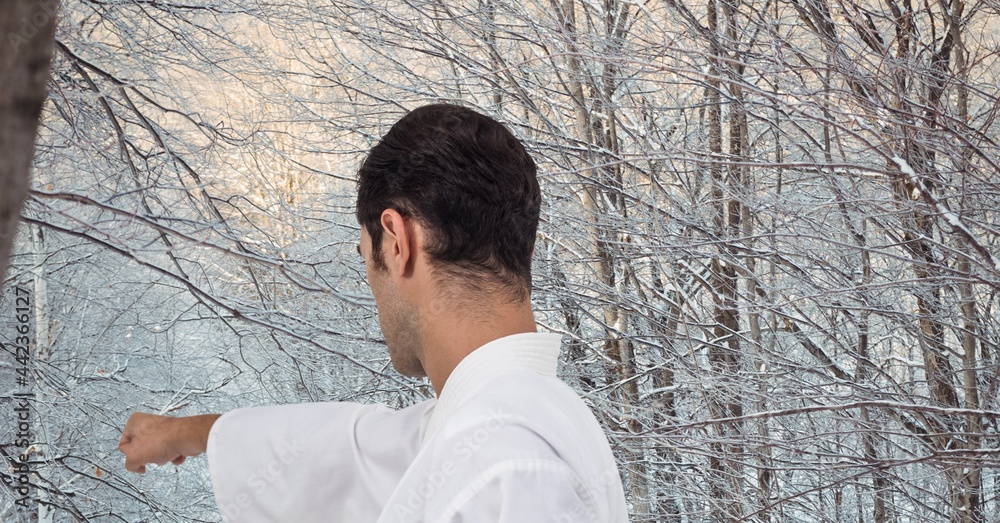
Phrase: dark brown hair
{"type": "Point", "coordinates": [469, 182]}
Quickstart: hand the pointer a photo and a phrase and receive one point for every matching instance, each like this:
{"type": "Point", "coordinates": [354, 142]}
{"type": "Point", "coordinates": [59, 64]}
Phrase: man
{"type": "Point", "coordinates": [448, 204]}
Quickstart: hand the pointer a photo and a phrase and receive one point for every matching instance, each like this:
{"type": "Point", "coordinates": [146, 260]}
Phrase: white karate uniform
{"type": "Point", "coordinates": [506, 441]}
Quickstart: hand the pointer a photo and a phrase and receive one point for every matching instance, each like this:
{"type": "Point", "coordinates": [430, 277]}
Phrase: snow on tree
{"type": "Point", "coordinates": [769, 235]}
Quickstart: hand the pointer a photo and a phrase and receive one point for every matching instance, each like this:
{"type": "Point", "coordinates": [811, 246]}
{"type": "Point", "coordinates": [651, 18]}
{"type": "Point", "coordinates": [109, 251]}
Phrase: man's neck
{"type": "Point", "coordinates": [452, 335]}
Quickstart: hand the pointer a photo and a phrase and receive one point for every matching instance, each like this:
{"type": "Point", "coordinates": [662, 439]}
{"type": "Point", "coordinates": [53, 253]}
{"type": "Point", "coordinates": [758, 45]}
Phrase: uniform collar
{"type": "Point", "coordinates": [532, 350]}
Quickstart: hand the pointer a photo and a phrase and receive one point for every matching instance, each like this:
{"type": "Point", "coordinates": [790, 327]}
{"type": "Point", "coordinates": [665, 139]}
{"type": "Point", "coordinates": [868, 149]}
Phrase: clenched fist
{"type": "Point", "coordinates": [150, 438]}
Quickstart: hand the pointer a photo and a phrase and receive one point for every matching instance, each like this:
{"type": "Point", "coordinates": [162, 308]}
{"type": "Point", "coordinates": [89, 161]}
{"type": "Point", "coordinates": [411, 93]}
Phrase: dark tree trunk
{"type": "Point", "coordinates": [27, 29]}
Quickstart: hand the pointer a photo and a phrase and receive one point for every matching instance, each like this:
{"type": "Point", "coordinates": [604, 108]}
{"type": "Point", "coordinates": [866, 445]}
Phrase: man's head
{"type": "Point", "coordinates": [470, 184]}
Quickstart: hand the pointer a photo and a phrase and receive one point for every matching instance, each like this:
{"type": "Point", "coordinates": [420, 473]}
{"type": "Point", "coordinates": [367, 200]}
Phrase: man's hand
{"type": "Point", "coordinates": [149, 438]}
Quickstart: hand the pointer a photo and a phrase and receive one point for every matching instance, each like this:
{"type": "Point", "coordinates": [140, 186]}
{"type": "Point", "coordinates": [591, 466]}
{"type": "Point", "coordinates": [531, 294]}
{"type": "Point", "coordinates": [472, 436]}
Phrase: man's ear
{"type": "Point", "coordinates": [398, 239]}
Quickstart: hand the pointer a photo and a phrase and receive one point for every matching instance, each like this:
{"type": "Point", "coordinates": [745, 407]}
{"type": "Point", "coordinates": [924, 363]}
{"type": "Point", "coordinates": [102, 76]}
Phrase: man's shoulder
{"type": "Point", "coordinates": [525, 427]}
{"type": "Point", "coordinates": [528, 408]}
{"type": "Point", "coordinates": [525, 392]}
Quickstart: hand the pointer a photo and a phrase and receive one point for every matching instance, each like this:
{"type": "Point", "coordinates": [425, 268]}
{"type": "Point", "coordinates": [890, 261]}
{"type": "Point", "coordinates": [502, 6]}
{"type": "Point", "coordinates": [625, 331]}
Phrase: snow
{"type": "Point", "coordinates": [905, 167]}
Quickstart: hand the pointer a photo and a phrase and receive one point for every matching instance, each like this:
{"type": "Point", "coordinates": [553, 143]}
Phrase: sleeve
{"type": "Point", "coordinates": [523, 491]}
{"type": "Point", "coordinates": [310, 462]}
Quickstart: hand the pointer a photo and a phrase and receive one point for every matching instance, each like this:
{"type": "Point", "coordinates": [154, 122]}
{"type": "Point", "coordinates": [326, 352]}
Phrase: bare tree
{"type": "Point", "coordinates": [769, 235]}
{"type": "Point", "coordinates": [27, 28]}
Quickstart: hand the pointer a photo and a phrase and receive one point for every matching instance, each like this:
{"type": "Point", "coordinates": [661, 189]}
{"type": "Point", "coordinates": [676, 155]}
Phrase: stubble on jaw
{"type": "Point", "coordinates": [397, 318]}
{"type": "Point", "coordinates": [401, 328]}
{"type": "Point", "coordinates": [405, 345]}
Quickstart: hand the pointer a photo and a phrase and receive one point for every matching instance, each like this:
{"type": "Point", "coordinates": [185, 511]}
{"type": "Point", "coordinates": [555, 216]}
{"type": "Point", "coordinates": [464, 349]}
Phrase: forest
{"type": "Point", "coordinates": [770, 238]}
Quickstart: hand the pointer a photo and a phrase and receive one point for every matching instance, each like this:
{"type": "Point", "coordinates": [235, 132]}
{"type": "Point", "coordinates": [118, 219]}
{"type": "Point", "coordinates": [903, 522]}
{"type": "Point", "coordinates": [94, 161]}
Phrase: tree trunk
{"type": "Point", "coordinates": [724, 351]}
{"type": "Point", "coordinates": [27, 28]}
{"type": "Point", "coordinates": [41, 352]}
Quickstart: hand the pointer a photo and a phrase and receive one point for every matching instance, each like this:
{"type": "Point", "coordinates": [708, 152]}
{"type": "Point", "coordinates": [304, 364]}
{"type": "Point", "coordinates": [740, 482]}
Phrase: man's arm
{"type": "Point", "coordinates": [150, 438]}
